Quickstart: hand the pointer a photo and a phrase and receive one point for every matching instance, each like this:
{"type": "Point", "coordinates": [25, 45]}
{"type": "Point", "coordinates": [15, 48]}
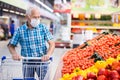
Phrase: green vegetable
{"type": "Point", "coordinates": [99, 58]}
{"type": "Point", "coordinates": [95, 55]}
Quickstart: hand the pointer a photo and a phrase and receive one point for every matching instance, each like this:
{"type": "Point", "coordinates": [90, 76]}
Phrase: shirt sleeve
{"type": "Point", "coordinates": [15, 39]}
{"type": "Point", "coordinates": [48, 35]}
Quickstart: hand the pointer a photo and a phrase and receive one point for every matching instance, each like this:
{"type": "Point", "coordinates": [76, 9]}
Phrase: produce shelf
{"type": "Point", "coordinates": [98, 27]}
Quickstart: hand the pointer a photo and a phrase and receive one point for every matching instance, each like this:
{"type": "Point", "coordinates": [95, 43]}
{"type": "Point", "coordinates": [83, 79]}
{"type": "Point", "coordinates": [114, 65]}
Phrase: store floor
{"type": "Point", "coordinates": [58, 52]}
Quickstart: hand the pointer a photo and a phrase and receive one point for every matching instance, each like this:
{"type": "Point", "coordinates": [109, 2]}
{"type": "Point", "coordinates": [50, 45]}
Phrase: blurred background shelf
{"type": "Point", "coordinates": [98, 27]}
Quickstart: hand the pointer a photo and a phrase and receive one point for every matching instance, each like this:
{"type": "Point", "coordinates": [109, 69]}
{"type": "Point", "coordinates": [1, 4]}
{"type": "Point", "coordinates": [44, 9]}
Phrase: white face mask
{"type": "Point", "coordinates": [35, 22]}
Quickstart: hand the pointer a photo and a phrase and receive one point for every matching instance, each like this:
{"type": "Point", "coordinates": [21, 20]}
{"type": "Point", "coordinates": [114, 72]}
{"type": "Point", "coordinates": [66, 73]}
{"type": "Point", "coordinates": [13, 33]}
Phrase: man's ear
{"type": "Point", "coordinates": [26, 16]}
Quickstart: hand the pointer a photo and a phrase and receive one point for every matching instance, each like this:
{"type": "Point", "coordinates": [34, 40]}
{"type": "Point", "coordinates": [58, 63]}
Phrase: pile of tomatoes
{"type": "Point", "coordinates": [106, 46]}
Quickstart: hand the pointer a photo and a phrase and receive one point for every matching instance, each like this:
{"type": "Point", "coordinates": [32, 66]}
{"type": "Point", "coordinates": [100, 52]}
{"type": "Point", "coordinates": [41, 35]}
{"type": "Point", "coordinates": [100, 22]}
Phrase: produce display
{"type": "Point", "coordinates": [96, 59]}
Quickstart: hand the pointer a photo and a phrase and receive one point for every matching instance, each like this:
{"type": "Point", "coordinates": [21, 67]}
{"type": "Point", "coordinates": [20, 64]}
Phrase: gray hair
{"type": "Point", "coordinates": [29, 9]}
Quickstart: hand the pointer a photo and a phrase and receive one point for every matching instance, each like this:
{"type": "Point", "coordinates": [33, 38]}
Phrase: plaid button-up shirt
{"type": "Point", "coordinates": [32, 41]}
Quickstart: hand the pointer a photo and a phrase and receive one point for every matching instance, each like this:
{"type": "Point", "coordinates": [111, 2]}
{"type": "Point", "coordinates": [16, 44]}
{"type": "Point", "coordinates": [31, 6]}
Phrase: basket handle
{"type": "Point", "coordinates": [35, 58]}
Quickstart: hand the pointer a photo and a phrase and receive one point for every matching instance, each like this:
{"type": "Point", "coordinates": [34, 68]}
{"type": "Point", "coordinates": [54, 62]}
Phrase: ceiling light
{"type": "Point", "coordinates": [17, 12]}
{"type": "Point", "coordinates": [11, 11]}
{"type": "Point", "coordinates": [5, 10]}
{"type": "Point", "coordinates": [58, 14]}
{"type": "Point", "coordinates": [48, 8]}
{"type": "Point", "coordinates": [21, 14]}
{"type": "Point", "coordinates": [64, 1]}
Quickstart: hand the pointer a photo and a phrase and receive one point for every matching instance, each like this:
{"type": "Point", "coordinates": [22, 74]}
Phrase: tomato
{"type": "Point", "coordinates": [104, 46]}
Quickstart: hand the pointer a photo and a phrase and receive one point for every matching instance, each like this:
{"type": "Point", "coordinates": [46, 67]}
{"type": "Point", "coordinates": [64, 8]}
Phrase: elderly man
{"type": "Point", "coordinates": [32, 37]}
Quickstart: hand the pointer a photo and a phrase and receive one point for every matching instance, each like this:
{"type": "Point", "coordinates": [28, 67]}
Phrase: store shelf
{"type": "Point", "coordinates": [61, 44]}
{"type": "Point", "coordinates": [98, 27]}
{"type": "Point", "coordinates": [93, 21]}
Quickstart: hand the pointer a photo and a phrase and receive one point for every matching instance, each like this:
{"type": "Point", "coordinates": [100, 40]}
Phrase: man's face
{"type": "Point", "coordinates": [35, 14]}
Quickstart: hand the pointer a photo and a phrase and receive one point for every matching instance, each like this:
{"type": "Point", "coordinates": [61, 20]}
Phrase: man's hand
{"type": "Point", "coordinates": [50, 51]}
{"type": "Point", "coordinates": [45, 58]}
{"type": "Point", "coordinates": [16, 57]}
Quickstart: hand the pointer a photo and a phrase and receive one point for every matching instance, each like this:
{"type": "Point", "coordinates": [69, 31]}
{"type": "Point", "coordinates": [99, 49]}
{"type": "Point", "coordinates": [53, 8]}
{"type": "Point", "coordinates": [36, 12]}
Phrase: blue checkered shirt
{"type": "Point", "coordinates": [32, 41]}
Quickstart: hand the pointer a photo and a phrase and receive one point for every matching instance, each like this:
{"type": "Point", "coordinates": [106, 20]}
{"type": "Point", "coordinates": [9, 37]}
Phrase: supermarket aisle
{"type": "Point", "coordinates": [3, 49]}
{"type": "Point", "coordinates": [56, 55]}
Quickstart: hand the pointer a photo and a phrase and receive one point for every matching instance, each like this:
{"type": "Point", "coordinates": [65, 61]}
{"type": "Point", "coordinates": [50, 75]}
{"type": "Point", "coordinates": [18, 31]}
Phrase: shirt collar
{"type": "Point", "coordinates": [26, 26]}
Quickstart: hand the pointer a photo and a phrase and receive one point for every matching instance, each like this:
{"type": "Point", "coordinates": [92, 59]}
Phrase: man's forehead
{"type": "Point", "coordinates": [35, 11]}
